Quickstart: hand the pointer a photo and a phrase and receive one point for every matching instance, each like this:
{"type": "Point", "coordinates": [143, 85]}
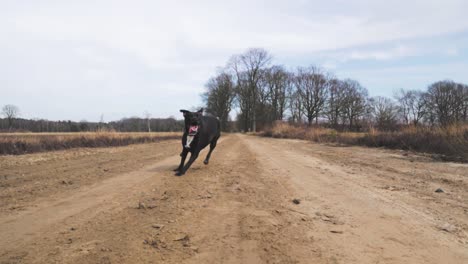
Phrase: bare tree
{"type": "Point", "coordinates": [264, 94]}
{"type": "Point", "coordinates": [312, 85]}
{"type": "Point", "coordinates": [464, 105]}
{"type": "Point", "coordinates": [461, 102]}
{"type": "Point", "coordinates": [243, 99]}
{"type": "Point", "coordinates": [384, 112]}
{"type": "Point", "coordinates": [354, 104]}
{"type": "Point", "coordinates": [147, 117]}
{"type": "Point", "coordinates": [264, 108]}
{"type": "Point", "coordinates": [101, 124]}
{"type": "Point", "coordinates": [10, 112]}
{"type": "Point", "coordinates": [418, 109]}
{"type": "Point", "coordinates": [219, 97]}
{"type": "Point", "coordinates": [278, 82]}
{"type": "Point", "coordinates": [405, 100]}
{"type": "Point", "coordinates": [295, 106]}
{"type": "Point", "coordinates": [411, 105]}
{"type": "Point", "coordinates": [335, 103]}
{"type": "Point", "coordinates": [446, 101]}
{"type": "Point", "coordinates": [430, 113]}
{"type": "Point", "coordinates": [248, 69]}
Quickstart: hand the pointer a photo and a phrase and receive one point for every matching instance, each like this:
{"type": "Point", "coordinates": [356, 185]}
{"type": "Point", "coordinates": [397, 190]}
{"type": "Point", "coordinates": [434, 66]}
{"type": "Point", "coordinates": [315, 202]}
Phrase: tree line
{"type": "Point", "coordinates": [264, 93]}
{"type": "Point", "coordinates": [12, 122]}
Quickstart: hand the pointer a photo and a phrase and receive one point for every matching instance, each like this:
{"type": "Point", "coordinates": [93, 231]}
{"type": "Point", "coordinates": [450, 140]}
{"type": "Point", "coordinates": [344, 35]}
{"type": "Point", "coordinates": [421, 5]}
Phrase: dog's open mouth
{"type": "Point", "coordinates": [193, 130]}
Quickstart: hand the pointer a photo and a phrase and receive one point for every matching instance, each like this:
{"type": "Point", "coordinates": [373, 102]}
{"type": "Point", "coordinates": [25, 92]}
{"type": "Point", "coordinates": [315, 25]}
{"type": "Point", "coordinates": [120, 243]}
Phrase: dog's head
{"type": "Point", "coordinates": [192, 118]}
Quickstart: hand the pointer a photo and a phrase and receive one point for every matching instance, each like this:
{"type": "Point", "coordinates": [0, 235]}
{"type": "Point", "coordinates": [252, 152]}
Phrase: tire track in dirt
{"type": "Point", "coordinates": [227, 212]}
{"type": "Point", "coordinates": [86, 203]}
{"type": "Point", "coordinates": [221, 213]}
{"type": "Point", "coordinates": [246, 220]}
{"type": "Point", "coordinates": [357, 222]}
{"type": "Point", "coordinates": [238, 209]}
{"type": "Point", "coordinates": [26, 178]}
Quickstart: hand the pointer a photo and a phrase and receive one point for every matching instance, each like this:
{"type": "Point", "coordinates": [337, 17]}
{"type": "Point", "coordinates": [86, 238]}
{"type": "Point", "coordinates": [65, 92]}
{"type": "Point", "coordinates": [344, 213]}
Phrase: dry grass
{"type": "Point", "coordinates": [22, 143]}
{"type": "Point", "coordinates": [451, 143]}
{"type": "Point", "coordinates": [316, 133]}
{"type": "Point", "coordinates": [448, 143]}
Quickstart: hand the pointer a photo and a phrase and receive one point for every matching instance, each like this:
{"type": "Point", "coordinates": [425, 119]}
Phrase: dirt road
{"type": "Point", "coordinates": [123, 205]}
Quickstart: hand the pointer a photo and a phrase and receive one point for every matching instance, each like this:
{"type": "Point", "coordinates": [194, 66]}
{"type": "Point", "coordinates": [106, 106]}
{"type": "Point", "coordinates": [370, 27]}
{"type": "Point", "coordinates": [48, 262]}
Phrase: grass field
{"type": "Point", "coordinates": [448, 143]}
{"type": "Point", "coordinates": [22, 143]}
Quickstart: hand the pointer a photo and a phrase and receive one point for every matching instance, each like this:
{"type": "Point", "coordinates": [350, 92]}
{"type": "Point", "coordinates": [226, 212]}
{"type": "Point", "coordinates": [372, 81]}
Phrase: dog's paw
{"type": "Point", "coordinates": [178, 173]}
{"type": "Point", "coordinates": [205, 162]}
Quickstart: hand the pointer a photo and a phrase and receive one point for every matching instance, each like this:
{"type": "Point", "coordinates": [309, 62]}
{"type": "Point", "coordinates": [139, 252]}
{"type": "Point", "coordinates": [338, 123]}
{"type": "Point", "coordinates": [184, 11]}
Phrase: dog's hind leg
{"type": "Point", "coordinates": [212, 147]}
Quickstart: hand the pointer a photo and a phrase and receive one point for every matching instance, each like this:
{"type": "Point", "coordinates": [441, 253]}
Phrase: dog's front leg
{"type": "Point", "coordinates": [193, 157]}
{"type": "Point", "coordinates": [183, 156]}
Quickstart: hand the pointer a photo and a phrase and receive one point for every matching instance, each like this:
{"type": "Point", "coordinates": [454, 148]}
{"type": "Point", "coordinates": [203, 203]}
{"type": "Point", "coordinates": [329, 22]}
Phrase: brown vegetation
{"type": "Point", "coordinates": [22, 143]}
{"type": "Point", "coordinates": [449, 143]}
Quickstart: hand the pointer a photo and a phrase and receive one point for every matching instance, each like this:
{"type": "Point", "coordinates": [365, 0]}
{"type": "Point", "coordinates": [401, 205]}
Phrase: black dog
{"type": "Point", "coordinates": [199, 131]}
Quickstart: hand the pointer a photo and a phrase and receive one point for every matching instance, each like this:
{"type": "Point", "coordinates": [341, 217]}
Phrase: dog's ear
{"type": "Point", "coordinates": [185, 112]}
{"type": "Point", "coordinates": [200, 111]}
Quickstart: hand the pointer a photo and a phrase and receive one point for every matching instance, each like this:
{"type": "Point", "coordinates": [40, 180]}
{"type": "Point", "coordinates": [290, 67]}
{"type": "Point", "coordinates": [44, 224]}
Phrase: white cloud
{"type": "Point", "coordinates": [383, 81]}
{"type": "Point", "coordinates": [167, 47]}
{"type": "Point", "coordinates": [378, 54]}
{"type": "Point", "coordinates": [452, 51]}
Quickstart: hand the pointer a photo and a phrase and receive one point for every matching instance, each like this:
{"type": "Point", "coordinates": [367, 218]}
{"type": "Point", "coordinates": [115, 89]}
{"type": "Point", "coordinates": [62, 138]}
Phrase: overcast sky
{"type": "Point", "coordinates": [80, 59]}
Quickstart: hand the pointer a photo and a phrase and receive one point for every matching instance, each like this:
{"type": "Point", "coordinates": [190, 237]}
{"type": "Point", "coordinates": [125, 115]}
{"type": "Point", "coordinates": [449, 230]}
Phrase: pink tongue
{"type": "Point", "coordinates": [193, 129]}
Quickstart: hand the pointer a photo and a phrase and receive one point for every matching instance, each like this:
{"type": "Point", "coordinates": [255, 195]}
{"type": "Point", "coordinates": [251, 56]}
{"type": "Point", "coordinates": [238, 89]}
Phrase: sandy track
{"type": "Point", "coordinates": [357, 205]}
